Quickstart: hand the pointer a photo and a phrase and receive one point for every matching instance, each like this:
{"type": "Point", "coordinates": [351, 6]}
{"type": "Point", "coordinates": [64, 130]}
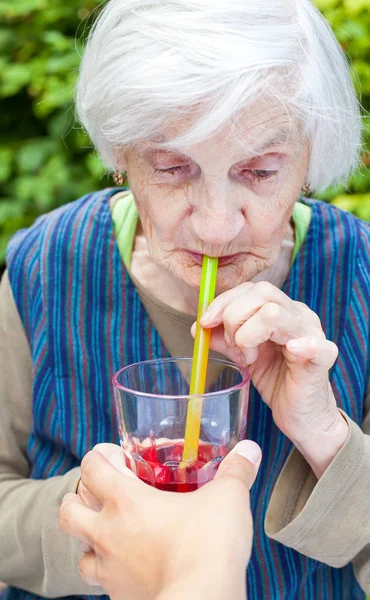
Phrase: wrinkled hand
{"type": "Point", "coordinates": [288, 356]}
{"type": "Point", "coordinates": [144, 542]}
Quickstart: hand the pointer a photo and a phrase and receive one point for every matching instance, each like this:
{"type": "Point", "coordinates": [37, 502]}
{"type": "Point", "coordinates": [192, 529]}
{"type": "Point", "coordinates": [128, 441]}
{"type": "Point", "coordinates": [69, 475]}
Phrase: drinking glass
{"type": "Point", "coordinates": [152, 399]}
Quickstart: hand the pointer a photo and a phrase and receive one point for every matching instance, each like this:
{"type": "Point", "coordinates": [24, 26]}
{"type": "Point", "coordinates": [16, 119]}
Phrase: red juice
{"type": "Point", "coordinates": [160, 466]}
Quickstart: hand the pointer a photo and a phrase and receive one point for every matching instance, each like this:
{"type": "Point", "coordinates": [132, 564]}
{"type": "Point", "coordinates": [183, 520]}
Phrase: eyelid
{"type": "Point", "coordinates": [168, 167]}
{"type": "Point", "coordinates": [169, 170]}
{"type": "Point", "coordinates": [262, 174]}
{"type": "Point", "coordinates": [271, 162]}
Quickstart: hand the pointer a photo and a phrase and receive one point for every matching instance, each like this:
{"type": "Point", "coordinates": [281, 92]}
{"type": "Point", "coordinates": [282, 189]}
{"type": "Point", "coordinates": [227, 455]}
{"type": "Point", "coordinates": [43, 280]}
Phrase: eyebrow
{"type": "Point", "coordinates": [280, 137]}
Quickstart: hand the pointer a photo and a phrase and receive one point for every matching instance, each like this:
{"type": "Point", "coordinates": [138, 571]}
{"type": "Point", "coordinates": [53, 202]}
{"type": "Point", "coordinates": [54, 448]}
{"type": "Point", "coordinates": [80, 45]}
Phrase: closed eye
{"type": "Point", "coordinates": [261, 173]}
{"type": "Point", "coordinates": [256, 173]}
{"type": "Point", "coordinates": [171, 170]}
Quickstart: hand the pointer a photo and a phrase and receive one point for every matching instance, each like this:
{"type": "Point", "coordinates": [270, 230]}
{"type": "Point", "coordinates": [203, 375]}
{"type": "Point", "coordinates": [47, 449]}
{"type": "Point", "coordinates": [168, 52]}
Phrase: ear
{"type": "Point", "coordinates": [120, 160]}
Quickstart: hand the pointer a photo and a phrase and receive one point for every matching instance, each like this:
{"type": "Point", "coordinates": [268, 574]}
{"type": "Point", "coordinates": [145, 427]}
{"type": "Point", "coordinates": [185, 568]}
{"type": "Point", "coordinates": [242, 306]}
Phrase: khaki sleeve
{"type": "Point", "coordinates": [327, 520]}
{"type": "Point", "coordinates": [34, 553]}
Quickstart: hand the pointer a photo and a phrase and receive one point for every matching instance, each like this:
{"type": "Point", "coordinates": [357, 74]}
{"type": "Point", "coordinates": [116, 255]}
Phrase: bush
{"type": "Point", "coordinates": [45, 160]}
{"type": "Point", "coordinates": [350, 20]}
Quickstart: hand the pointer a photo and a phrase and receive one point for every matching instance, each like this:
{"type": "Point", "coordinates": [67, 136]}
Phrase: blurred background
{"type": "Point", "coordinates": [45, 158]}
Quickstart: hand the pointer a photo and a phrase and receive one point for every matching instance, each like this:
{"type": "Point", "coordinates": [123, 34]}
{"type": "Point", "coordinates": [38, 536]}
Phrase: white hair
{"type": "Point", "coordinates": [151, 62]}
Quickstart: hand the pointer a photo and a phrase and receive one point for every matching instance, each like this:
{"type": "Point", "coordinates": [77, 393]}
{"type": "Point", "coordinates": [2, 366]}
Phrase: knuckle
{"type": "Point", "coordinates": [87, 465]}
{"type": "Point", "coordinates": [241, 470]}
{"type": "Point", "coordinates": [247, 285]}
{"type": "Point", "coordinates": [239, 477]}
{"type": "Point", "coordinates": [264, 288]}
{"type": "Point", "coordinates": [307, 313]}
{"type": "Point", "coordinates": [244, 339]}
{"type": "Point", "coordinates": [313, 343]}
{"type": "Point", "coordinates": [87, 459]}
{"type": "Point", "coordinates": [240, 338]}
{"type": "Point", "coordinates": [230, 318]}
{"type": "Point", "coordinates": [271, 311]}
{"type": "Point", "coordinates": [335, 349]}
{"type": "Point", "coordinates": [301, 306]}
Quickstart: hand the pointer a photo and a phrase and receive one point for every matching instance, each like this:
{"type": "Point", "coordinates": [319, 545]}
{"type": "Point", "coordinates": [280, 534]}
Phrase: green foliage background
{"type": "Point", "coordinates": [45, 159]}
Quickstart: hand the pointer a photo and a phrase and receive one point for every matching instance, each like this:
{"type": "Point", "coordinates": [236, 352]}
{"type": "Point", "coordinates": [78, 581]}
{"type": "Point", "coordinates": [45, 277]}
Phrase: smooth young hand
{"type": "Point", "coordinates": [145, 543]}
{"type": "Point", "coordinates": [288, 356]}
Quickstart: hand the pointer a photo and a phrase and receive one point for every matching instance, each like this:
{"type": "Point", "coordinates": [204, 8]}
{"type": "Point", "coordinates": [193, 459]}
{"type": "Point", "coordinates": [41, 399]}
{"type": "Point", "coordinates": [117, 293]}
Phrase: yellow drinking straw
{"type": "Point", "coordinates": [200, 361]}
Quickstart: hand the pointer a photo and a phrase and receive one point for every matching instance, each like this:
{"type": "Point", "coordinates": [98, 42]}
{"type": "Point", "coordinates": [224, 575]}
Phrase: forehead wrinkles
{"type": "Point", "coordinates": [258, 132]}
{"type": "Point", "coordinates": [253, 135]}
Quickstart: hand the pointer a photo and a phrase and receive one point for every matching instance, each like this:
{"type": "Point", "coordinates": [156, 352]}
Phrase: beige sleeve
{"type": "Point", "coordinates": [329, 519]}
{"type": "Point", "coordinates": [34, 553]}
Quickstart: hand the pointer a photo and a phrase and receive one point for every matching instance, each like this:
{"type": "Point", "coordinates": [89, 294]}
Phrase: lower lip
{"type": "Point", "coordinates": [223, 260]}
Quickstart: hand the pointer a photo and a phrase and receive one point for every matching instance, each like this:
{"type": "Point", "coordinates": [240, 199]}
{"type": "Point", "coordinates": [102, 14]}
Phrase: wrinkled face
{"type": "Point", "coordinates": [230, 196]}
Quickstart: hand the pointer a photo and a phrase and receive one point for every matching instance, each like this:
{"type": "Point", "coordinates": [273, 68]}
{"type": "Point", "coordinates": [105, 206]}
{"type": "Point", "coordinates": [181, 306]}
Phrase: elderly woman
{"type": "Point", "coordinates": [220, 112]}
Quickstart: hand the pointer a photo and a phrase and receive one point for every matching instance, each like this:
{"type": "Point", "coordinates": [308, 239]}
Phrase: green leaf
{"type": "Point", "coordinates": [61, 123]}
{"type": "Point", "coordinates": [34, 154]}
{"type": "Point", "coordinates": [326, 4]}
{"type": "Point", "coordinates": [354, 7]}
{"type": "Point", "coordinates": [6, 37]}
{"type": "Point", "coordinates": [95, 166]}
{"type": "Point", "coordinates": [57, 41]}
{"type": "Point", "coordinates": [10, 9]}
{"type": "Point", "coordinates": [6, 163]}
{"type": "Point", "coordinates": [9, 209]}
{"type": "Point", "coordinates": [13, 79]}
{"type": "Point", "coordinates": [58, 92]}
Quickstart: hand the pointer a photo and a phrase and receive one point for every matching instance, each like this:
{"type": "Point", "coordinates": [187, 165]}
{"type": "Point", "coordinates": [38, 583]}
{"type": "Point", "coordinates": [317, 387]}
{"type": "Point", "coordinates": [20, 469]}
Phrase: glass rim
{"type": "Point", "coordinates": [242, 370]}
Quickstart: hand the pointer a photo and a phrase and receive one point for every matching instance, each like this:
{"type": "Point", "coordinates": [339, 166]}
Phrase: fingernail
{"type": "Point", "coordinates": [241, 360]}
{"type": "Point", "coordinates": [249, 450]}
{"type": "Point", "coordinates": [249, 355]}
{"type": "Point", "coordinates": [206, 317]}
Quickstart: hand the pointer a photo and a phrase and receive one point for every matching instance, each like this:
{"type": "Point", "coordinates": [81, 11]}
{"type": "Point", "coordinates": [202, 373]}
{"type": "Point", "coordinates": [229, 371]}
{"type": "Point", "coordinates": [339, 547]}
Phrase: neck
{"type": "Point", "coordinates": [174, 292]}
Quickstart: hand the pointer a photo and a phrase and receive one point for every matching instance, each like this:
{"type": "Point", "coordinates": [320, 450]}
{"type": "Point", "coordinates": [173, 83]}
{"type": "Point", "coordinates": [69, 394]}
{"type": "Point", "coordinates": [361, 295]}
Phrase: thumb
{"type": "Point", "coordinates": [243, 463]}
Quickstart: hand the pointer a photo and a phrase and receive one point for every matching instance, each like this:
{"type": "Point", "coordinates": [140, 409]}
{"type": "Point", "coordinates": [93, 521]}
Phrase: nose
{"type": "Point", "coordinates": [216, 221]}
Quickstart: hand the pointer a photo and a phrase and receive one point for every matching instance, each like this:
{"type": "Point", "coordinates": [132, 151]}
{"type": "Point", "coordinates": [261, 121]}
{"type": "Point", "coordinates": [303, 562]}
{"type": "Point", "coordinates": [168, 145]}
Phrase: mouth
{"type": "Point", "coordinates": [222, 260]}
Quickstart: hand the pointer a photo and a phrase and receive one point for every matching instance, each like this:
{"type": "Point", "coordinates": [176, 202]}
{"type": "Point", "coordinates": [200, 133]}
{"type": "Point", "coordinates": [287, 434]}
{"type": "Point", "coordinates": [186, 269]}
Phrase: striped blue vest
{"type": "Point", "coordinates": [84, 320]}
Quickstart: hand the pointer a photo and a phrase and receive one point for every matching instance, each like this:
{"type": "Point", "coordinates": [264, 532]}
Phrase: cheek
{"type": "Point", "coordinates": [161, 217]}
{"type": "Point", "coordinates": [267, 224]}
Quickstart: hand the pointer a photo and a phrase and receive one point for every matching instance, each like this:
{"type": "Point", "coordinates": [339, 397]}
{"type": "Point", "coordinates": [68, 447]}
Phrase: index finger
{"type": "Point", "coordinates": [102, 479]}
{"type": "Point", "coordinates": [213, 315]}
{"type": "Point", "coordinates": [258, 294]}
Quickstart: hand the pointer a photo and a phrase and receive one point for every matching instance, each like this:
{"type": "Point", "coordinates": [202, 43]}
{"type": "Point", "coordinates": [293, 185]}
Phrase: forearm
{"type": "Point", "coordinates": [35, 555]}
